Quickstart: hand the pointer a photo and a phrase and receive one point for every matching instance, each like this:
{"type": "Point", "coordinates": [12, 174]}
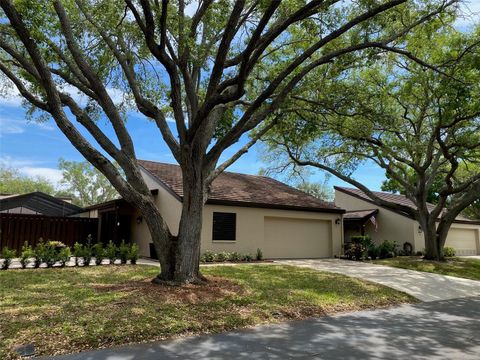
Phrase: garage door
{"type": "Point", "coordinates": [463, 241]}
{"type": "Point", "coordinates": [297, 238]}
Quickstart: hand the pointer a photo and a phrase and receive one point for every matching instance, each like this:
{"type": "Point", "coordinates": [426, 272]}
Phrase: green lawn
{"type": "Point", "coordinates": [460, 267]}
{"type": "Point", "coordinates": [73, 309]}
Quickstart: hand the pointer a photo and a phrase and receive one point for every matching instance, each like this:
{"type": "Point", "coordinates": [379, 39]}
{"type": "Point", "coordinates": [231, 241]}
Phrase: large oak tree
{"type": "Point", "coordinates": [219, 72]}
{"type": "Point", "coordinates": [421, 124]}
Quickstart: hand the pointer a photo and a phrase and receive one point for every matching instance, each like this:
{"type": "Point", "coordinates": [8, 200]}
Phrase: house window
{"type": "Point", "coordinates": [224, 226]}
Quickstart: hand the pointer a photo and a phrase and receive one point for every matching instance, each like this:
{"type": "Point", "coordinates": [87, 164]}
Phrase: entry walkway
{"type": "Point", "coordinates": [422, 285]}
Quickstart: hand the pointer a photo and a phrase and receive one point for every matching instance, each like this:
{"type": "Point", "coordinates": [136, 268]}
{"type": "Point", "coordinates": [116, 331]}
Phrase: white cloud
{"type": "Point", "coordinates": [10, 127]}
{"type": "Point", "coordinates": [11, 97]}
{"type": "Point", "coordinates": [16, 126]}
{"type": "Point", "coordinates": [51, 174]}
{"type": "Point", "coordinates": [32, 168]}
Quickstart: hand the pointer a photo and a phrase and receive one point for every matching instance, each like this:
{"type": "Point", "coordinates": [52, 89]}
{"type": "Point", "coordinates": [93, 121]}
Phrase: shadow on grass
{"type": "Point", "coordinates": [437, 330]}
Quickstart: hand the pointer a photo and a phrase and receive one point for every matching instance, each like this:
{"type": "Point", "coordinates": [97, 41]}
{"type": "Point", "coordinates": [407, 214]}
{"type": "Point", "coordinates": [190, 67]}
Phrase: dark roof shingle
{"type": "Point", "coordinates": [395, 198]}
{"type": "Point", "coordinates": [241, 189]}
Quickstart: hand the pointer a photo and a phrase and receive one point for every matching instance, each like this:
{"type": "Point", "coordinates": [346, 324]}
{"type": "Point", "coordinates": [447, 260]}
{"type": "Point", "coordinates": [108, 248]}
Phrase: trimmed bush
{"type": "Point", "coordinates": [373, 251]}
{"type": "Point", "coordinates": [7, 256]}
{"type": "Point", "coordinates": [26, 254]}
{"type": "Point", "coordinates": [387, 249]}
{"type": "Point", "coordinates": [448, 251]}
{"type": "Point", "coordinates": [210, 256]}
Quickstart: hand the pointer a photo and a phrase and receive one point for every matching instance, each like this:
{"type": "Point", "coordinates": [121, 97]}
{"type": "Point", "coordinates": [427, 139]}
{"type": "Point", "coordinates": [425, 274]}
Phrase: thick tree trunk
{"type": "Point", "coordinates": [432, 249]}
{"type": "Point", "coordinates": [187, 267]}
{"type": "Point", "coordinates": [179, 256]}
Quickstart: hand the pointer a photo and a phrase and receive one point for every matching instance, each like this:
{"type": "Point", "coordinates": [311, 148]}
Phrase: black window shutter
{"type": "Point", "coordinates": [224, 226]}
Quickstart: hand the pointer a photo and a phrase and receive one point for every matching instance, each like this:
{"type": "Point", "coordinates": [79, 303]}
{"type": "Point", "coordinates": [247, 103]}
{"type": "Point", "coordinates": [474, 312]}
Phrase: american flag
{"type": "Point", "coordinates": [374, 222]}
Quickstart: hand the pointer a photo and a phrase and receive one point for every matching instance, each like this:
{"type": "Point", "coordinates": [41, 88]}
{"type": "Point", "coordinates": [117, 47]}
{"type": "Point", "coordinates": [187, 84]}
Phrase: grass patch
{"type": "Point", "coordinates": [460, 267]}
{"type": "Point", "coordinates": [73, 309]}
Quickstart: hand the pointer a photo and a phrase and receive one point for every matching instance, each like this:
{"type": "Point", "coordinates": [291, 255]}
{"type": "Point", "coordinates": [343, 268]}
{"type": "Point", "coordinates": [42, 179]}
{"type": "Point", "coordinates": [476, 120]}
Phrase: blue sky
{"type": "Point", "coordinates": [34, 148]}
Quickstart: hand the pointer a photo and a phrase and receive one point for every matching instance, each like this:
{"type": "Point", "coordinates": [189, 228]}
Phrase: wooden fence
{"type": "Point", "coordinates": [15, 229]}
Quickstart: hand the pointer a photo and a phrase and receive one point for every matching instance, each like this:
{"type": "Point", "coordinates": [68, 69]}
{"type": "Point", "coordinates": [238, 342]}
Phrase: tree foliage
{"type": "Point", "coordinates": [421, 124]}
{"type": "Point", "coordinates": [86, 184]}
{"type": "Point", "coordinates": [219, 73]}
{"type": "Point", "coordinates": [13, 182]}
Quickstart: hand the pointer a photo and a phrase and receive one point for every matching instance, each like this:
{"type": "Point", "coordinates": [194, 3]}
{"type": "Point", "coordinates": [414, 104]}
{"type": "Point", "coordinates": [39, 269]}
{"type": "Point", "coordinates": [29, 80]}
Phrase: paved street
{"type": "Point", "coordinates": [447, 329]}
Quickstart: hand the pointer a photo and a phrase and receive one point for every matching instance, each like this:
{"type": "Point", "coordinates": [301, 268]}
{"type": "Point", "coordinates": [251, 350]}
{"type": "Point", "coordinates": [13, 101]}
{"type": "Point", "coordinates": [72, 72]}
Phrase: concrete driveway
{"type": "Point", "coordinates": [422, 285]}
{"type": "Point", "coordinates": [433, 330]}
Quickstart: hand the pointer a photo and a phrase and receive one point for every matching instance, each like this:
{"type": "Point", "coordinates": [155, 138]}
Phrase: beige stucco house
{"type": "Point", "coordinates": [364, 217]}
{"type": "Point", "coordinates": [244, 213]}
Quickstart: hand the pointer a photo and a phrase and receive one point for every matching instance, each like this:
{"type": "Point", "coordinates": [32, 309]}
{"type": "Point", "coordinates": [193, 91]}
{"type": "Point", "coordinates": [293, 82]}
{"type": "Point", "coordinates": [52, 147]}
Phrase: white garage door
{"type": "Point", "coordinates": [463, 241]}
{"type": "Point", "coordinates": [297, 238]}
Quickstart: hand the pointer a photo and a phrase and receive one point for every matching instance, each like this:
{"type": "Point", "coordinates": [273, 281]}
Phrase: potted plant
{"type": "Point", "coordinates": [7, 255]}
{"type": "Point", "coordinates": [133, 254]}
{"type": "Point", "coordinates": [98, 252]}
{"type": "Point", "coordinates": [26, 255]}
{"type": "Point", "coordinates": [111, 252]}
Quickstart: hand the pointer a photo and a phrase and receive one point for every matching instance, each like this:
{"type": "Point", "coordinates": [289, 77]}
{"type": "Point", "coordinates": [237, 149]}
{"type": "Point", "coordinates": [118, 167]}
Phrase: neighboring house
{"type": "Point", "coordinates": [244, 213]}
{"type": "Point", "coordinates": [363, 216]}
{"type": "Point", "coordinates": [37, 203]}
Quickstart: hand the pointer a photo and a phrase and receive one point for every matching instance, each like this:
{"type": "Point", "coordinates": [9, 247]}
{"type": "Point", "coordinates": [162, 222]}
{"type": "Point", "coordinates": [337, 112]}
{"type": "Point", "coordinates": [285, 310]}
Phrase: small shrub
{"type": "Point", "coordinates": [373, 251]}
{"type": "Point", "coordinates": [355, 251]}
{"type": "Point", "coordinates": [87, 251]}
{"type": "Point", "coordinates": [56, 244]}
{"type": "Point", "coordinates": [448, 251]}
{"type": "Point", "coordinates": [259, 255]}
{"type": "Point", "coordinates": [208, 256]}
{"type": "Point", "coordinates": [133, 254]}
{"type": "Point", "coordinates": [7, 255]}
{"type": "Point", "coordinates": [77, 252]}
{"type": "Point", "coordinates": [419, 253]}
{"type": "Point", "coordinates": [86, 255]}
{"type": "Point", "coordinates": [222, 256]}
{"type": "Point", "coordinates": [26, 254]}
{"type": "Point", "coordinates": [388, 249]}
{"type": "Point", "coordinates": [111, 252]}
{"type": "Point", "coordinates": [123, 251]}
{"type": "Point", "coordinates": [98, 252]}
{"type": "Point", "coordinates": [45, 253]}
{"type": "Point", "coordinates": [366, 240]}
{"type": "Point", "coordinates": [248, 257]}
{"type": "Point", "coordinates": [235, 256]}
{"type": "Point", "coordinates": [64, 256]}
{"type": "Point", "coordinates": [39, 254]}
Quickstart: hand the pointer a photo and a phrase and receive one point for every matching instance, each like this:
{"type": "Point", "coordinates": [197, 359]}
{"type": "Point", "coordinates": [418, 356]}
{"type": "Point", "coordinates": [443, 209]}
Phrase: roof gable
{"type": "Point", "coordinates": [40, 202]}
{"type": "Point", "coordinates": [395, 198]}
{"type": "Point", "coordinates": [240, 189]}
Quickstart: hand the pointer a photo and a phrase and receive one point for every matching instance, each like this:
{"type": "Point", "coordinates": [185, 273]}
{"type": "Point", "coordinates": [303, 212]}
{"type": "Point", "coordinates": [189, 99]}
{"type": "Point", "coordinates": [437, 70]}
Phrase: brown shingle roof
{"type": "Point", "coordinates": [395, 198]}
{"type": "Point", "coordinates": [360, 214]}
{"type": "Point", "coordinates": [241, 189]}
